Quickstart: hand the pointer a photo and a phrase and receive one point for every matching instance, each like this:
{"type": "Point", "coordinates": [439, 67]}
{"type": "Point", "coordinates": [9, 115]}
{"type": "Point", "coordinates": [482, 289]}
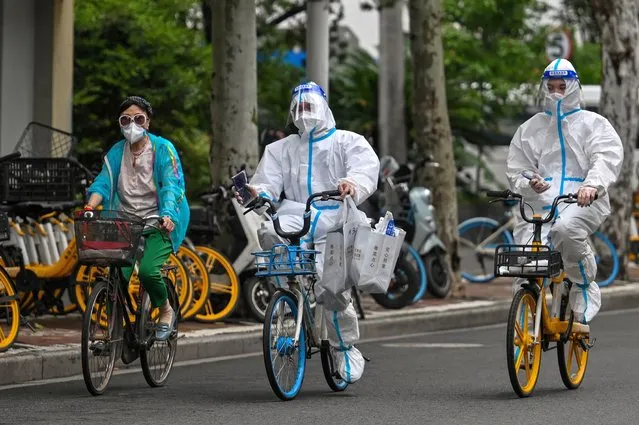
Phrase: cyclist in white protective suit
{"type": "Point", "coordinates": [319, 158]}
{"type": "Point", "coordinates": [569, 150]}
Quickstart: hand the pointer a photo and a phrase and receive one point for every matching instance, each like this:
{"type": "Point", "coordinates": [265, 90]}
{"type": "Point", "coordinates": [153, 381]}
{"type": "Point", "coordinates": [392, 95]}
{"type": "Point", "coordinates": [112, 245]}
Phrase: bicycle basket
{"type": "Point", "coordinates": [40, 180]}
{"type": "Point", "coordinates": [285, 260]}
{"type": "Point", "coordinates": [41, 141]}
{"type": "Point", "coordinates": [527, 261]}
{"type": "Point", "coordinates": [107, 237]}
{"type": "Point", "coordinates": [4, 227]}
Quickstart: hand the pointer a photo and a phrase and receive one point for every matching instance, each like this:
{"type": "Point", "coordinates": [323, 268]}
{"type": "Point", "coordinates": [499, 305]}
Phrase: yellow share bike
{"type": "Point", "coordinates": [531, 325]}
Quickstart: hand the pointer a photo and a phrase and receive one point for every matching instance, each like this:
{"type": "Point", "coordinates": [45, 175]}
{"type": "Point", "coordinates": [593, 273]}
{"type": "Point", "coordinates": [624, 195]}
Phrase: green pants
{"type": "Point", "coordinates": [157, 249]}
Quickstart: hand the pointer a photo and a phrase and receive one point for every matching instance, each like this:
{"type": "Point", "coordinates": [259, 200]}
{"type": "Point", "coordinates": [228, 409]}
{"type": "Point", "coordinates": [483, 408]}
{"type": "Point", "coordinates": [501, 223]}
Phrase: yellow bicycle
{"type": "Point", "coordinates": [9, 309]}
{"type": "Point", "coordinates": [532, 326]}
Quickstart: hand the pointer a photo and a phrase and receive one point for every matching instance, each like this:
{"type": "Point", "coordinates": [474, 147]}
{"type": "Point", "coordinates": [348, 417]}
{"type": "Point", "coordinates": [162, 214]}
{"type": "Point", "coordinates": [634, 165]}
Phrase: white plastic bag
{"type": "Point", "coordinates": [375, 255]}
{"type": "Point", "coordinates": [353, 218]}
{"type": "Point", "coordinates": [334, 271]}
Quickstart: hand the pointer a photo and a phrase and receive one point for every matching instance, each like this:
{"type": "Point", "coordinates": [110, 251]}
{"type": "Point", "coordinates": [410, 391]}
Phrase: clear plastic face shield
{"type": "Point", "coordinates": [560, 88]}
{"type": "Point", "coordinates": [309, 110]}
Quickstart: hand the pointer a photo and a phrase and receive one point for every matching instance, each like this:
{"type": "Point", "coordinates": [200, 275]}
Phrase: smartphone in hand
{"type": "Point", "coordinates": [240, 182]}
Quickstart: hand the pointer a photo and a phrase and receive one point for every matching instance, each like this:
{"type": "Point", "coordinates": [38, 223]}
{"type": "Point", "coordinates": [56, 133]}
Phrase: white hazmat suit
{"type": "Point", "coordinates": [568, 147]}
{"type": "Point", "coordinates": [318, 159]}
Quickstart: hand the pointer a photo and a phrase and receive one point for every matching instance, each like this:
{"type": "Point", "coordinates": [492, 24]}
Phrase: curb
{"type": "Point", "coordinates": [35, 363]}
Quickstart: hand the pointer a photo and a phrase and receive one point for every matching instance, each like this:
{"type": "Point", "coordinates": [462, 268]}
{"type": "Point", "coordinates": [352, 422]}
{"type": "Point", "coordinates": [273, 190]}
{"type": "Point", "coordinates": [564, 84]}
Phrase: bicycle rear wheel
{"type": "Point", "coordinates": [284, 360]}
{"type": "Point", "coordinates": [9, 312]}
{"type": "Point", "coordinates": [523, 354]}
{"type": "Point", "coordinates": [157, 357]}
{"type": "Point", "coordinates": [572, 358]}
{"type": "Point", "coordinates": [101, 337]}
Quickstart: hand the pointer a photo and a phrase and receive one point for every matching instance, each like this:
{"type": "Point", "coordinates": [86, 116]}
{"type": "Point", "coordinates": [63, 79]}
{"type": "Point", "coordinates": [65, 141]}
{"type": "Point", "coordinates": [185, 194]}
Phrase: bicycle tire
{"type": "Point", "coordinates": [491, 225]}
{"type": "Point", "coordinates": [440, 280]}
{"type": "Point", "coordinates": [334, 382]}
{"type": "Point", "coordinates": [9, 311]}
{"type": "Point", "coordinates": [283, 346]}
{"type": "Point", "coordinates": [182, 283]}
{"type": "Point", "coordinates": [230, 287]}
{"type": "Point", "coordinates": [147, 320]}
{"type": "Point", "coordinates": [199, 279]}
{"type": "Point", "coordinates": [87, 353]}
{"type": "Point", "coordinates": [423, 278]}
{"type": "Point", "coordinates": [512, 354]}
{"type": "Point", "coordinates": [256, 294]}
{"type": "Point", "coordinates": [615, 259]}
{"type": "Point", "coordinates": [571, 382]}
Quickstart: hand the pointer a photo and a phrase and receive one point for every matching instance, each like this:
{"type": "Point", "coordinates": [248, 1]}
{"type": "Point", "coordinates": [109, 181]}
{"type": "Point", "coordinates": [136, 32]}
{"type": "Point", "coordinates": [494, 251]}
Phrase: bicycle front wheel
{"type": "Point", "coordinates": [9, 312]}
{"type": "Point", "coordinates": [284, 359]}
{"type": "Point", "coordinates": [572, 358]}
{"type": "Point", "coordinates": [156, 357]}
{"type": "Point", "coordinates": [523, 353]}
{"type": "Point", "coordinates": [101, 337]}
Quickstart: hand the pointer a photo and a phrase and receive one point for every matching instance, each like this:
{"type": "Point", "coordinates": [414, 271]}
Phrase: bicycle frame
{"type": "Point", "coordinates": [304, 316]}
{"type": "Point", "coordinates": [508, 226]}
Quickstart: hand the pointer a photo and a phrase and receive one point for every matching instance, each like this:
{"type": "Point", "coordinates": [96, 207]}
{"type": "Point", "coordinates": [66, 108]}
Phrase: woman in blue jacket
{"type": "Point", "coordinates": [142, 175]}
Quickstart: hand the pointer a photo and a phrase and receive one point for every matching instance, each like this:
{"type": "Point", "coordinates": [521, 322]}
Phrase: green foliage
{"type": "Point", "coordinates": [487, 56]}
{"type": "Point", "coordinates": [276, 79]}
{"type": "Point", "coordinates": [145, 48]}
{"type": "Point", "coordinates": [587, 62]}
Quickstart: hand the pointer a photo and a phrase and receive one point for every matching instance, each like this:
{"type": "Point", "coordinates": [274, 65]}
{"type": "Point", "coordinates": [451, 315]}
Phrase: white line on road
{"type": "Point", "coordinates": [248, 355]}
{"type": "Point", "coordinates": [431, 345]}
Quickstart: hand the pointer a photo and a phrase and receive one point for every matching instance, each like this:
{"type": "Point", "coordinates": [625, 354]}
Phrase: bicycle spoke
{"type": "Point", "coordinates": [210, 262]}
{"type": "Point", "coordinates": [221, 288]}
{"type": "Point", "coordinates": [519, 332]}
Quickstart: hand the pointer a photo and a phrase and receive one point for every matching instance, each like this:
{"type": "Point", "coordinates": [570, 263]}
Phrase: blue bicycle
{"type": "Point", "coordinates": [292, 332]}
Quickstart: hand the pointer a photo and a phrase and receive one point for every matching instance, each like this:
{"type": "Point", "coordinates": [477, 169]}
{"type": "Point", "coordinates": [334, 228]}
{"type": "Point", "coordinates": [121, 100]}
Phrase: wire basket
{"type": "Point", "coordinates": [107, 237]}
{"type": "Point", "coordinates": [41, 141]}
{"type": "Point", "coordinates": [527, 261]}
{"type": "Point", "coordinates": [41, 180]}
{"type": "Point", "coordinates": [285, 260]}
{"type": "Point", "coordinates": [4, 227]}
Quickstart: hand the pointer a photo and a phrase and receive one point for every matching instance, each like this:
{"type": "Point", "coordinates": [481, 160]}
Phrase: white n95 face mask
{"type": "Point", "coordinates": [133, 132]}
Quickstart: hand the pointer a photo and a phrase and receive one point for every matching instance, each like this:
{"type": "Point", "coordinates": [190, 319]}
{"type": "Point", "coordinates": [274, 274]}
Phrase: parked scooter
{"type": "Point", "coordinates": [414, 213]}
{"type": "Point", "coordinates": [256, 291]}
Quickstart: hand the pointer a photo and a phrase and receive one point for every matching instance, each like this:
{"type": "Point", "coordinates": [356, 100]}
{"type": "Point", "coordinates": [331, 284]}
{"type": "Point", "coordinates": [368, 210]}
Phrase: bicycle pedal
{"type": "Point", "coordinates": [586, 346]}
{"type": "Point", "coordinates": [366, 358]}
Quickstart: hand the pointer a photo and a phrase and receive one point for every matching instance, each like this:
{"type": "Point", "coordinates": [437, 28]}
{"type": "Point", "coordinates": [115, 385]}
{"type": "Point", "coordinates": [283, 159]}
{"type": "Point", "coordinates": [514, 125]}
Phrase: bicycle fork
{"type": "Point", "coordinates": [301, 311]}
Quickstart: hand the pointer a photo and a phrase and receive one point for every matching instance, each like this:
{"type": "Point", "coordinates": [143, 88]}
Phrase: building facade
{"type": "Point", "coordinates": [36, 66]}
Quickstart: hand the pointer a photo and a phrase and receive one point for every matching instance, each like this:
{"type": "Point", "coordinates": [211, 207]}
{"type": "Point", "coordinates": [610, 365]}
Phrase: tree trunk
{"type": "Point", "coordinates": [234, 89]}
{"type": "Point", "coordinates": [392, 126]}
{"type": "Point", "coordinates": [618, 22]}
{"type": "Point", "coordinates": [432, 128]}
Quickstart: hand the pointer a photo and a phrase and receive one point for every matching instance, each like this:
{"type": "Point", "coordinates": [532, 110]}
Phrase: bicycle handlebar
{"type": "Point", "coordinates": [260, 202]}
{"type": "Point", "coordinates": [508, 195]}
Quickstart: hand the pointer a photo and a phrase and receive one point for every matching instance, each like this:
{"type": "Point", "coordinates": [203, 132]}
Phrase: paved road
{"type": "Point", "coordinates": [430, 383]}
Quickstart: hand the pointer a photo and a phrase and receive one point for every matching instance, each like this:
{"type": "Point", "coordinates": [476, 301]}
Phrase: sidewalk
{"type": "Point", "coordinates": [53, 351]}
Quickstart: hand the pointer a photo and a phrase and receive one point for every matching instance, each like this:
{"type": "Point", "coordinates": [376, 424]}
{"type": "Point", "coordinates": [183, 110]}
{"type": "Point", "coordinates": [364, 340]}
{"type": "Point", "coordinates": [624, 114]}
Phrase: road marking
{"type": "Point", "coordinates": [431, 345]}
